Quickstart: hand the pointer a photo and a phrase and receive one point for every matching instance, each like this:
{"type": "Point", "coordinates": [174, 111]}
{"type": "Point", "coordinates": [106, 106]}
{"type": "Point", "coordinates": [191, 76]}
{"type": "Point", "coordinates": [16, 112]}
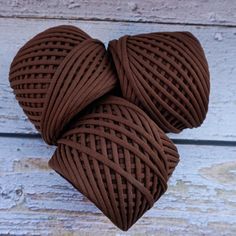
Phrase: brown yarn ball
{"type": "Point", "coordinates": [58, 73]}
{"type": "Point", "coordinates": [166, 74]}
{"type": "Point", "coordinates": [117, 157]}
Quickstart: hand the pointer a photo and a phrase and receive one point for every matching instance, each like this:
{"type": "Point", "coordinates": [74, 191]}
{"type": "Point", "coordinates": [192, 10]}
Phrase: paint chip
{"type": "Point", "coordinates": [218, 36]}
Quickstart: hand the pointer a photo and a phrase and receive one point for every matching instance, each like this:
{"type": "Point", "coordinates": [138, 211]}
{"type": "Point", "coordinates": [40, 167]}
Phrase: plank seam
{"type": "Point", "coordinates": [115, 21]}
{"type": "Point", "coordinates": [199, 142]}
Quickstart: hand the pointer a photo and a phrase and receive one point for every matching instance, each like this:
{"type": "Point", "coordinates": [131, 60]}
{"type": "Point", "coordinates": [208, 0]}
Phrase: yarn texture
{"type": "Point", "coordinates": [112, 149]}
{"type": "Point", "coordinates": [58, 73]}
{"type": "Point", "coordinates": [166, 74]}
{"type": "Point", "coordinates": [117, 157]}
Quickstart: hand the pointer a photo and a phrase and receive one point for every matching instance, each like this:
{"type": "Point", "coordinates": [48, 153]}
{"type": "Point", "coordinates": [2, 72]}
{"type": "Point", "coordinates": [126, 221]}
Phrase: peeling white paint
{"type": "Point", "coordinates": [220, 52]}
{"type": "Point", "coordinates": [40, 201]}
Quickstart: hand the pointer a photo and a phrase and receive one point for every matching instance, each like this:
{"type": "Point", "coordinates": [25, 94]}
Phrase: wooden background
{"type": "Point", "coordinates": [201, 199]}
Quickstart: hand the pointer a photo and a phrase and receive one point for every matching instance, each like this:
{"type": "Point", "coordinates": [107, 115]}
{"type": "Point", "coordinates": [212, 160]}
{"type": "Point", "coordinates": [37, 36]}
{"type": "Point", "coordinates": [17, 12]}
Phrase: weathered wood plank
{"type": "Point", "coordinates": [219, 44]}
{"type": "Point", "coordinates": [172, 11]}
{"type": "Point", "coordinates": [35, 200]}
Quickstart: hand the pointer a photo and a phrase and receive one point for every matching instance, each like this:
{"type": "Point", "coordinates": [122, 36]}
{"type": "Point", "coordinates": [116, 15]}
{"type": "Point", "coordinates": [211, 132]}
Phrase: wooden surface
{"type": "Point", "coordinates": [34, 199]}
{"type": "Point", "coordinates": [172, 11]}
{"type": "Point", "coordinates": [201, 198]}
{"type": "Point", "coordinates": [220, 53]}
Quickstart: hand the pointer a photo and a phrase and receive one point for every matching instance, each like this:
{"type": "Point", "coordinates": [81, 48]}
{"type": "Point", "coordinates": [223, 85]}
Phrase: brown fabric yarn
{"type": "Point", "coordinates": [117, 157]}
{"type": "Point", "coordinates": [58, 73]}
{"type": "Point", "coordinates": [166, 74]}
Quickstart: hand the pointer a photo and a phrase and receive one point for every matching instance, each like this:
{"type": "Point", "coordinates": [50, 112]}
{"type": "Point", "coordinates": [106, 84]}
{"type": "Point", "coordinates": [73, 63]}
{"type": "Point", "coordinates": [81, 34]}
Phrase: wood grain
{"type": "Point", "coordinates": [220, 48]}
{"type": "Point", "coordinates": [172, 11]}
{"type": "Point", "coordinates": [200, 199]}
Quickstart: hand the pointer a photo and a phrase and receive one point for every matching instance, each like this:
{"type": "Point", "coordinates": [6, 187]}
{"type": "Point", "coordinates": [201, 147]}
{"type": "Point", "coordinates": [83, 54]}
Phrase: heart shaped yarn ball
{"type": "Point", "coordinates": [117, 157]}
{"type": "Point", "coordinates": [58, 73]}
{"type": "Point", "coordinates": [166, 74]}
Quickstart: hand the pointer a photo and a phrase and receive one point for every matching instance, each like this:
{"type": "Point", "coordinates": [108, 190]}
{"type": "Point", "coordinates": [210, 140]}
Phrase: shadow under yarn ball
{"type": "Point", "coordinates": [58, 73]}
{"type": "Point", "coordinates": [166, 74]}
{"type": "Point", "coordinates": [117, 157]}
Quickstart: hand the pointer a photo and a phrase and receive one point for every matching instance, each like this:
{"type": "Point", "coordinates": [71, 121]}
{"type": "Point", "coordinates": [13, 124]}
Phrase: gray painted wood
{"type": "Point", "coordinates": [200, 199]}
{"type": "Point", "coordinates": [183, 11]}
{"type": "Point", "coordinates": [219, 44]}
